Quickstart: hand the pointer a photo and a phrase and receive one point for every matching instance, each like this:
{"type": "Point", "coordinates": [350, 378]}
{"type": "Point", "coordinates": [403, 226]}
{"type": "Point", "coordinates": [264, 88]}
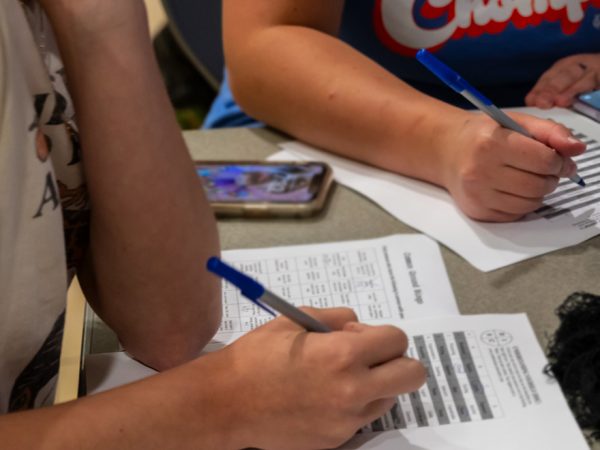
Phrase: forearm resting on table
{"type": "Point", "coordinates": [171, 410]}
{"type": "Point", "coordinates": [303, 79]}
{"type": "Point", "coordinates": [346, 104]}
{"type": "Point", "coordinates": [152, 229]}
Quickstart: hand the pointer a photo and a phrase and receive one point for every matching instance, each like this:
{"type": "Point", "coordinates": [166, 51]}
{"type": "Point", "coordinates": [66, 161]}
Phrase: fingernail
{"type": "Point", "coordinates": [573, 140]}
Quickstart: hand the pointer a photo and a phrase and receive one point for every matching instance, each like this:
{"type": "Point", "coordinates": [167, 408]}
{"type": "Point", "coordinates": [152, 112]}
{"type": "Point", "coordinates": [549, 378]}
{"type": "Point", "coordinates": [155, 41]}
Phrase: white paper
{"type": "Point", "coordinates": [572, 214]}
{"type": "Point", "coordinates": [104, 371]}
{"type": "Point", "coordinates": [386, 279]}
{"type": "Point", "coordinates": [486, 390]}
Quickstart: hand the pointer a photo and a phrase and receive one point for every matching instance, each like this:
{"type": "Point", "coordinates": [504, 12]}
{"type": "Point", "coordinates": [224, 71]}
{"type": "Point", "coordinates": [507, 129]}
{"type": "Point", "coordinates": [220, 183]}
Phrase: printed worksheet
{"type": "Point", "coordinates": [569, 216]}
{"type": "Point", "coordinates": [385, 279]}
{"type": "Point", "coordinates": [485, 390]}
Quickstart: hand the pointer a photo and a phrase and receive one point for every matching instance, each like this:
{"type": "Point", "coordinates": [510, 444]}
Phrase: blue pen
{"type": "Point", "coordinates": [264, 298]}
{"type": "Point", "coordinates": [460, 85]}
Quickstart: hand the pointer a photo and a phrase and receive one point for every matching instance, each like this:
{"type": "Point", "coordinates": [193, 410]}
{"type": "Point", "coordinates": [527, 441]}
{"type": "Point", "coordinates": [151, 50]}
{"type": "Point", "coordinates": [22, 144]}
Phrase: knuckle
{"type": "Point", "coordinates": [348, 313]}
{"type": "Point", "coordinates": [563, 77]}
{"type": "Point", "coordinates": [471, 178]}
{"type": "Point", "coordinates": [493, 210]}
{"type": "Point", "coordinates": [559, 128]}
{"type": "Point", "coordinates": [396, 335]}
{"type": "Point", "coordinates": [470, 204]}
{"type": "Point", "coordinates": [505, 217]}
{"type": "Point", "coordinates": [551, 184]}
{"type": "Point", "coordinates": [549, 163]}
{"type": "Point", "coordinates": [517, 206]}
{"type": "Point", "coordinates": [538, 203]}
{"type": "Point", "coordinates": [346, 395]}
{"type": "Point", "coordinates": [484, 142]}
{"type": "Point", "coordinates": [338, 433]}
{"type": "Point", "coordinates": [539, 186]}
{"type": "Point", "coordinates": [342, 355]}
{"type": "Point", "coordinates": [552, 85]}
{"type": "Point", "coordinates": [527, 205]}
{"type": "Point", "coordinates": [473, 196]}
{"type": "Point", "coordinates": [475, 167]}
{"type": "Point", "coordinates": [477, 213]}
{"type": "Point", "coordinates": [483, 215]}
{"type": "Point", "coordinates": [573, 71]}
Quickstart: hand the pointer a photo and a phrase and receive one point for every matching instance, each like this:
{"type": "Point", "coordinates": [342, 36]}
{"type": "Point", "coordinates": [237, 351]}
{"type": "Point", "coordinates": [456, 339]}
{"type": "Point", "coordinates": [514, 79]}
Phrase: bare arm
{"type": "Point", "coordinates": [276, 387]}
{"type": "Point", "coordinates": [288, 68]}
{"type": "Point", "coordinates": [151, 229]}
{"type": "Point", "coordinates": [167, 411]}
{"type": "Point", "coordinates": [327, 385]}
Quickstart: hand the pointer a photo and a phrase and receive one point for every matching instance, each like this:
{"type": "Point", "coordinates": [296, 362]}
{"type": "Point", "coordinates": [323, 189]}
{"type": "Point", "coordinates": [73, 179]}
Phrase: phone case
{"type": "Point", "coordinates": [587, 110]}
{"type": "Point", "coordinates": [273, 209]}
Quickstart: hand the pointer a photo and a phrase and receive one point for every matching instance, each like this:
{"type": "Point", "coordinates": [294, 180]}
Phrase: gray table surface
{"type": "Point", "coordinates": [536, 286]}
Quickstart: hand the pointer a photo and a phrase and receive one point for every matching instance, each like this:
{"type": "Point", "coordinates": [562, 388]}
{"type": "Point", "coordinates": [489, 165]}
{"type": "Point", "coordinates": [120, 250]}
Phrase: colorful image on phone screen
{"type": "Point", "coordinates": [285, 183]}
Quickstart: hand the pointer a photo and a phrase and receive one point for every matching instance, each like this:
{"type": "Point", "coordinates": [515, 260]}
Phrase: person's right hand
{"type": "Point", "coordinates": [292, 389]}
{"type": "Point", "coordinates": [498, 175]}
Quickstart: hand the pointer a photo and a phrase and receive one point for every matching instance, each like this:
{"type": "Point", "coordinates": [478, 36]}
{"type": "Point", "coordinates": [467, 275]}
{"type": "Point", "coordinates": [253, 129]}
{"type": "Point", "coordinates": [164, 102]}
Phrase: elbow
{"type": "Point", "coordinates": [183, 335]}
{"type": "Point", "coordinates": [246, 81]}
{"type": "Point", "coordinates": [210, 324]}
{"type": "Point", "coordinates": [191, 334]}
{"type": "Point", "coordinates": [245, 89]}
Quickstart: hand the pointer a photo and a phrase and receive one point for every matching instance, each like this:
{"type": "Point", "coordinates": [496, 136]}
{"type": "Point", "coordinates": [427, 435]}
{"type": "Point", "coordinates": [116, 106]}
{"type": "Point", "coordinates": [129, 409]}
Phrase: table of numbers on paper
{"type": "Point", "coordinates": [382, 280]}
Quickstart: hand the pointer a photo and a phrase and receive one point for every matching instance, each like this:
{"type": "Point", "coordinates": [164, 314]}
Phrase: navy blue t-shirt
{"type": "Point", "coordinates": [500, 46]}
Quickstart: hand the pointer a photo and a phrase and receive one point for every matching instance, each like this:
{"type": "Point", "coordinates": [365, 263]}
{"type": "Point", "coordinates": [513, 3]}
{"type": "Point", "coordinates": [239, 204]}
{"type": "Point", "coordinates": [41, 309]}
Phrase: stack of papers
{"type": "Point", "coordinates": [485, 390]}
{"type": "Point", "coordinates": [485, 387]}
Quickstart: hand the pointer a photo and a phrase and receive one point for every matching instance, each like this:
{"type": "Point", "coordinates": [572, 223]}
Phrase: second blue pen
{"type": "Point", "coordinates": [480, 101]}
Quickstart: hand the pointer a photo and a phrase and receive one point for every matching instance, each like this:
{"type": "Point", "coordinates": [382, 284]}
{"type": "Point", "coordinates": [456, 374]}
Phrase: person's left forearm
{"type": "Point", "coordinates": [152, 229]}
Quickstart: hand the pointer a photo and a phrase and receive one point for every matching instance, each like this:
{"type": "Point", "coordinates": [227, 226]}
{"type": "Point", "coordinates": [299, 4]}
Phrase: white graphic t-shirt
{"type": "Point", "coordinates": [43, 205]}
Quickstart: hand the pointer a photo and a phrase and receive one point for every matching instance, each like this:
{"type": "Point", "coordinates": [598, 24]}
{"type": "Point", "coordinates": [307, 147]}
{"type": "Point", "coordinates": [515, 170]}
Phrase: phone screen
{"type": "Point", "coordinates": [592, 99]}
{"type": "Point", "coordinates": [279, 183]}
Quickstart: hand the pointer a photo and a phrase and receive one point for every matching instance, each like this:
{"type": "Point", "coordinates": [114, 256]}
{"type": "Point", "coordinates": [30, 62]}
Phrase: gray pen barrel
{"type": "Point", "coordinates": [294, 314]}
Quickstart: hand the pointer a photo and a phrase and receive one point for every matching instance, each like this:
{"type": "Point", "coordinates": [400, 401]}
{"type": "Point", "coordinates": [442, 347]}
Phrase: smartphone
{"type": "Point", "coordinates": [589, 104]}
{"type": "Point", "coordinates": [265, 189]}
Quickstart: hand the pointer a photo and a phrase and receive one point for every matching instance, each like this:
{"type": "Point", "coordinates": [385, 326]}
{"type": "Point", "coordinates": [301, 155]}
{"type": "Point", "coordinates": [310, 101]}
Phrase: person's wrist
{"type": "Point", "coordinates": [447, 125]}
{"type": "Point", "coordinates": [222, 398]}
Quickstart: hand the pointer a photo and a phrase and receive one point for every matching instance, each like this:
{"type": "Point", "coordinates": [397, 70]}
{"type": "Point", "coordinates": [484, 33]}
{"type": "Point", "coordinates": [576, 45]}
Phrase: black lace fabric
{"type": "Point", "coordinates": [574, 358]}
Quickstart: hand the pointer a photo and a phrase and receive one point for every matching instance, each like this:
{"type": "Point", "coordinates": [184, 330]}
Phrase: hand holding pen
{"type": "Point", "coordinates": [496, 174]}
{"type": "Point", "coordinates": [312, 389]}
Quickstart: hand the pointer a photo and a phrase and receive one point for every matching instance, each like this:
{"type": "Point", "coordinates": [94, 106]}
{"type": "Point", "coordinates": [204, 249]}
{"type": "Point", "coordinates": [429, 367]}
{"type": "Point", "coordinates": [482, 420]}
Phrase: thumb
{"type": "Point", "coordinates": [555, 136]}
